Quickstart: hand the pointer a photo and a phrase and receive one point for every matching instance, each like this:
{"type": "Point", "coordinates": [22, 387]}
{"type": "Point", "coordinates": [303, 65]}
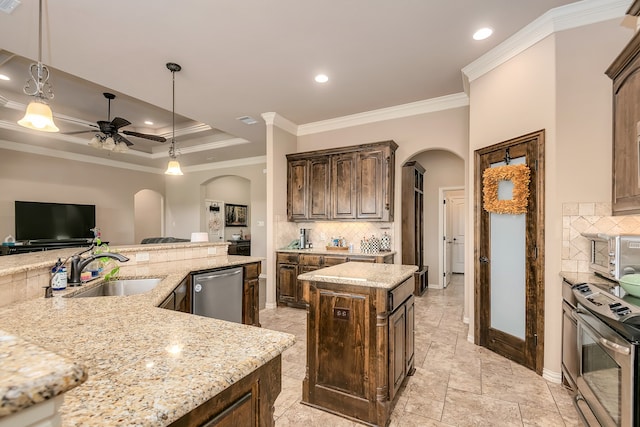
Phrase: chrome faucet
{"type": "Point", "coordinates": [78, 264]}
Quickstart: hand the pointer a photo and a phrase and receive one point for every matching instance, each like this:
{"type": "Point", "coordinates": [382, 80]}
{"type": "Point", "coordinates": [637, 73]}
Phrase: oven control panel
{"type": "Point", "coordinates": [607, 304]}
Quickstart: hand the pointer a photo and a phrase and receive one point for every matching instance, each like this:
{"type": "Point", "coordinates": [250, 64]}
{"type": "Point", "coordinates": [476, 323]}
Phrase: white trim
{"type": "Point", "coordinates": [283, 123]}
{"type": "Point", "coordinates": [471, 338]}
{"type": "Point", "coordinates": [270, 306]}
{"type": "Point", "coordinates": [552, 376]}
{"type": "Point", "coordinates": [187, 130]}
{"type": "Point", "coordinates": [43, 151]}
{"type": "Point", "coordinates": [561, 18]}
{"type": "Point", "coordinates": [465, 320]}
{"type": "Point", "coordinates": [227, 164]}
{"type": "Point", "coordinates": [396, 112]}
{"type": "Point", "coordinates": [441, 191]}
{"type": "Point", "coordinates": [157, 154]}
{"type": "Point", "coordinates": [268, 118]}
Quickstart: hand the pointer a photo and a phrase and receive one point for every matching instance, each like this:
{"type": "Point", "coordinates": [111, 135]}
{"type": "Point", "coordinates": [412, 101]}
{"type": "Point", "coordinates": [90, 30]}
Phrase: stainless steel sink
{"type": "Point", "coordinates": [120, 287]}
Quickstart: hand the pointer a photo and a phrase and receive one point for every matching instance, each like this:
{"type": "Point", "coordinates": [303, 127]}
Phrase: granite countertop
{"type": "Point", "coordinates": [385, 276]}
{"type": "Point", "coordinates": [324, 251]}
{"type": "Point", "coordinates": [146, 365]}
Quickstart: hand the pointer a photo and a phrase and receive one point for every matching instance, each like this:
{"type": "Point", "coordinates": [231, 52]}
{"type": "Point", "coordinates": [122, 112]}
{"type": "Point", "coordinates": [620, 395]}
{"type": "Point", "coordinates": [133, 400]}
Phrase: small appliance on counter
{"type": "Point", "coordinates": [304, 238]}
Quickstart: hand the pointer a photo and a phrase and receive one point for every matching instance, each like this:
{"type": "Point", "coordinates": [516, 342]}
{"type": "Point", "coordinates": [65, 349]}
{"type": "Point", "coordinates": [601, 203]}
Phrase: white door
{"type": "Point", "coordinates": [456, 219]}
{"type": "Point", "coordinates": [446, 242]}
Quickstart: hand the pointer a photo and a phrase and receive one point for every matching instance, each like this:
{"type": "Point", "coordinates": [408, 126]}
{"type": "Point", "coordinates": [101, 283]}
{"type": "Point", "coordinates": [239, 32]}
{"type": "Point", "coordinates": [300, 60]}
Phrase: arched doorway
{"type": "Point", "coordinates": [148, 208]}
{"type": "Point", "coordinates": [226, 189]}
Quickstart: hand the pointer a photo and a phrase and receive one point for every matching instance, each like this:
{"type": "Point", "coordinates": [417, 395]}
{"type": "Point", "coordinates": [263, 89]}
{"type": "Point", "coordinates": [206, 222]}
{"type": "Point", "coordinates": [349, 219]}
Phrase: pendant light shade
{"type": "Point", "coordinates": [173, 167]}
{"type": "Point", "coordinates": [38, 115]}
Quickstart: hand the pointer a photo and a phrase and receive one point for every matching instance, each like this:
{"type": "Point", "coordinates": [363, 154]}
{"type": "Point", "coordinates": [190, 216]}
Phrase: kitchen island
{"type": "Point", "coordinates": [360, 338]}
{"type": "Point", "coordinates": [147, 366]}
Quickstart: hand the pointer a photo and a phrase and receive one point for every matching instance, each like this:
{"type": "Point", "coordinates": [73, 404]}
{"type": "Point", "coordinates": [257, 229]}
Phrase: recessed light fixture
{"type": "Point", "coordinates": [148, 122]}
{"type": "Point", "coordinates": [482, 33]}
{"type": "Point", "coordinates": [322, 78]}
{"type": "Point", "coordinates": [4, 77]}
{"type": "Point", "coordinates": [247, 120]}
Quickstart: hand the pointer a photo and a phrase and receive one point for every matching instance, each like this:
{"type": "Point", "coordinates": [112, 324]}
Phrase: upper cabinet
{"type": "Point", "coordinates": [347, 184]}
{"type": "Point", "coordinates": [625, 73]}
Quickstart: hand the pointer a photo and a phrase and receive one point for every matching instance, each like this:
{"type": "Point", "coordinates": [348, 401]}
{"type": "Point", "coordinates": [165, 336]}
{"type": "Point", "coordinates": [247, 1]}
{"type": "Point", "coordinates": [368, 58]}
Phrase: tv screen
{"type": "Point", "coordinates": [54, 221]}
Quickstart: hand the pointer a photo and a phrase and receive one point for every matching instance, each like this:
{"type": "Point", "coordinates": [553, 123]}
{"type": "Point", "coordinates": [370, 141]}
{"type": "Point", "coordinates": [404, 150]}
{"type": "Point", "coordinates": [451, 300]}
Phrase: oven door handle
{"type": "Point", "coordinates": [614, 347]}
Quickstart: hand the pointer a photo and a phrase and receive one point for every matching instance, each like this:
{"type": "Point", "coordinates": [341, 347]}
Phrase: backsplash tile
{"type": "Point", "coordinates": [591, 218]}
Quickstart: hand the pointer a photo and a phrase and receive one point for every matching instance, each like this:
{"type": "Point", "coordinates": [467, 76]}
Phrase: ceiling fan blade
{"type": "Point", "coordinates": [145, 136]}
{"type": "Point", "coordinates": [105, 127]}
{"type": "Point", "coordinates": [78, 132]}
{"type": "Point", "coordinates": [119, 138]}
{"type": "Point", "coordinates": [119, 122]}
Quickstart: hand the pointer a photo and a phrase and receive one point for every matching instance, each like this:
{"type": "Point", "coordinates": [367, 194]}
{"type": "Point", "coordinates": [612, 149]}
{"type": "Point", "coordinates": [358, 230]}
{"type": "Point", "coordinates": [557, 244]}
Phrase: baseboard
{"type": "Point", "coordinates": [270, 305]}
{"type": "Point", "coordinates": [552, 376]}
{"type": "Point", "coordinates": [465, 320]}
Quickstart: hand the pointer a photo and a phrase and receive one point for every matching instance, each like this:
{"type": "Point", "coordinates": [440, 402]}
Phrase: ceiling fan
{"type": "Point", "coordinates": [111, 129]}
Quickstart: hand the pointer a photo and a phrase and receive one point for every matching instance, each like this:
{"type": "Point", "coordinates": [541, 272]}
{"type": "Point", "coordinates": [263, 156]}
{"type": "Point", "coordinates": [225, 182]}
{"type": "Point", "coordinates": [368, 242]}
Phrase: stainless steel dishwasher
{"type": "Point", "coordinates": [218, 294]}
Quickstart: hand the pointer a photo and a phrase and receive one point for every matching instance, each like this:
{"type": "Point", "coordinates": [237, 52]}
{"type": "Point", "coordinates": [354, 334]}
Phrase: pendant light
{"type": "Point", "coordinates": [38, 115]}
{"type": "Point", "coordinates": [173, 167]}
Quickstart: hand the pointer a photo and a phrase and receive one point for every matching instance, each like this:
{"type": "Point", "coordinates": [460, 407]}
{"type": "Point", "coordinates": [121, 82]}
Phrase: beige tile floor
{"type": "Point", "coordinates": [455, 384]}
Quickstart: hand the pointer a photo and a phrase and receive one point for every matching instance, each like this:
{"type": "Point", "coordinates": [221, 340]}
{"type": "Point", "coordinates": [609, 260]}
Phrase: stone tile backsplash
{"type": "Point", "coordinates": [580, 218]}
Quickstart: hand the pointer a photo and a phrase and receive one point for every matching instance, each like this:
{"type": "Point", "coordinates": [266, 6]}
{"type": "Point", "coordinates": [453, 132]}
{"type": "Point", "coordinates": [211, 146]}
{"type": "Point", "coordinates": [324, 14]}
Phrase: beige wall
{"type": "Point", "coordinates": [33, 177]}
{"type": "Point", "coordinates": [230, 189]}
{"type": "Point", "coordinates": [148, 213]}
{"type": "Point", "coordinates": [556, 85]}
{"type": "Point", "coordinates": [442, 169]}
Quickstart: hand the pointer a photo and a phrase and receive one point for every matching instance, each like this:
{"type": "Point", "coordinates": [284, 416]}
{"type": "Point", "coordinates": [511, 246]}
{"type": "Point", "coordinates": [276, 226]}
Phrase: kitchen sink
{"type": "Point", "coordinates": [120, 287]}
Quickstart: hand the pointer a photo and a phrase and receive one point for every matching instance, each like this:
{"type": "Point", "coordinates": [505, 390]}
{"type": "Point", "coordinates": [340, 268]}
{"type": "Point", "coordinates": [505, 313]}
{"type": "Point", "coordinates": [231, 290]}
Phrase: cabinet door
{"type": "Point", "coordinates": [183, 295]}
{"type": "Point", "coordinates": [169, 302]}
{"type": "Point", "coordinates": [397, 343]}
{"type": "Point", "coordinates": [250, 303]}
{"type": "Point", "coordinates": [410, 338]}
{"type": "Point", "coordinates": [374, 184]}
{"type": "Point", "coordinates": [287, 283]}
{"type": "Point", "coordinates": [343, 186]}
{"type": "Point", "coordinates": [319, 188]}
{"type": "Point", "coordinates": [297, 188]}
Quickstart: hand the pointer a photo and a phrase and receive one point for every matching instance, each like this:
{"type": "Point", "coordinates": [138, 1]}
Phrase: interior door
{"type": "Point", "coordinates": [456, 210]}
{"type": "Point", "coordinates": [447, 243]}
{"type": "Point", "coordinates": [509, 268]}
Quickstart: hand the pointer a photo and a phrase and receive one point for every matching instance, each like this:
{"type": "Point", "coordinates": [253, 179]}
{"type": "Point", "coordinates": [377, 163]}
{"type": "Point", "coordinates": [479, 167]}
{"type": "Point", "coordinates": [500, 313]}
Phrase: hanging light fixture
{"type": "Point", "coordinates": [173, 167]}
{"type": "Point", "coordinates": [38, 115]}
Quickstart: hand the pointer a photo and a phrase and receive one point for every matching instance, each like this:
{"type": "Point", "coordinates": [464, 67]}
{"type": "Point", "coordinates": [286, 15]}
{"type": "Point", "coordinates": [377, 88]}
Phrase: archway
{"type": "Point", "coordinates": [226, 189]}
{"type": "Point", "coordinates": [148, 208]}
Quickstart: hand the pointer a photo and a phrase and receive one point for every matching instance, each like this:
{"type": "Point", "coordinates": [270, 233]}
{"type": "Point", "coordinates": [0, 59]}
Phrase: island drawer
{"type": "Point", "coordinates": [251, 271]}
{"type": "Point", "coordinates": [314, 260]}
{"type": "Point", "coordinates": [400, 293]}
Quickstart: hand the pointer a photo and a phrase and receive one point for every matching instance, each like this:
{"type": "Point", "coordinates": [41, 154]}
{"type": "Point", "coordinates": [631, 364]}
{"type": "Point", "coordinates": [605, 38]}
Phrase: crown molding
{"type": "Point", "coordinates": [573, 15]}
{"type": "Point", "coordinates": [157, 154]}
{"type": "Point", "coordinates": [283, 123]}
{"type": "Point", "coordinates": [249, 161]}
{"type": "Point", "coordinates": [50, 152]}
{"type": "Point", "coordinates": [183, 131]}
{"type": "Point", "coordinates": [396, 112]}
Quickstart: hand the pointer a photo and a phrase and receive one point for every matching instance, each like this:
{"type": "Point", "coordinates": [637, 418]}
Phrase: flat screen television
{"type": "Point", "coordinates": [54, 221]}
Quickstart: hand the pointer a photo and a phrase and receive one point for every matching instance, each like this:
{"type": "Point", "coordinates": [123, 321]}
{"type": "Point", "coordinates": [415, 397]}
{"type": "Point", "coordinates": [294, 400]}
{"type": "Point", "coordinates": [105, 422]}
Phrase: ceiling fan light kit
{"type": "Point", "coordinates": [173, 167]}
{"type": "Point", "coordinates": [38, 115]}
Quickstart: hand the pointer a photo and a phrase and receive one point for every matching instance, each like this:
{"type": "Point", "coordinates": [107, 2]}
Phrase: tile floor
{"type": "Point", "coordinates": [455, 384]}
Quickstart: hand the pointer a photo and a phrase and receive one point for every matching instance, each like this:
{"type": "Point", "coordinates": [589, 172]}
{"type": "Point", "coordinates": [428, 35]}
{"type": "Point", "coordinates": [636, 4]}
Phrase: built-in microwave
{"type": "Point", "coordinates": [614, 256]}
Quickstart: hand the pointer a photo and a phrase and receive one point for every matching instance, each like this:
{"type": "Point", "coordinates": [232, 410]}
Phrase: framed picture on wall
{"type": "Point", "coordinates": [235, 215]}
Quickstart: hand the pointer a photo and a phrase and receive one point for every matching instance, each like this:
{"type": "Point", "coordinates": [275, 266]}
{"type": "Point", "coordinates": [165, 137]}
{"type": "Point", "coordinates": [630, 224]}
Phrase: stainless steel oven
{"type": "Point", "coordinates": [608, 333]}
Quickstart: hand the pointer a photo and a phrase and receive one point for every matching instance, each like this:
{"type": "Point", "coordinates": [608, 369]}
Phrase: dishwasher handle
{"type": "Point", "coordinates": [216, 276]}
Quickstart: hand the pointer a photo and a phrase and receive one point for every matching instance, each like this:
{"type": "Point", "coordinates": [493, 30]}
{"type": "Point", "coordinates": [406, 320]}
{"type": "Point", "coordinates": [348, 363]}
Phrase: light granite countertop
{"type": "Point", "coordinates": [385, 276]}
{"type": "Point", "coordinates": [324, 251]}
{"type": "Point", "coordinates": [146, 366]}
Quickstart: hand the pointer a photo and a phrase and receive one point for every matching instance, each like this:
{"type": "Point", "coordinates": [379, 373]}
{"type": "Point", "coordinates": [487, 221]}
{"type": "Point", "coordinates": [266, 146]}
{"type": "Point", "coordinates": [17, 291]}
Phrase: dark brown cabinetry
{"type": "Point", "coordinates": [412, 222]}
{"type": "Point", "coordinates": [349, 183]}
{"type": "Point", "coordinates": [290, 265]}
{"type": "Point", "coordinates": [250, 299]}
{"type": "Point", "coordinates": [239, 247]}
{"type": "Point", "coordinates": [249, 402]}
{"type": "Point", "coordinates": [180, 298]}
{"type": "Point", "coordinates": [360, 348]}
{"type": "Point", "coordinates": [626, 129]}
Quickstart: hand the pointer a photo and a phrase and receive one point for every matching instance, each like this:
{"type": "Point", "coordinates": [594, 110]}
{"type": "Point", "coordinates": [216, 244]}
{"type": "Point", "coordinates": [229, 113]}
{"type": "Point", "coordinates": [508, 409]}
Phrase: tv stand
{"type": "Point", "coordinates": [45, 245]}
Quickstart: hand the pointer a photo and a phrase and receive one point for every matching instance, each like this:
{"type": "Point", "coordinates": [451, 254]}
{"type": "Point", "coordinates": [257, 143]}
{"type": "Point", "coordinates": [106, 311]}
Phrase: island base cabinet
{"type": "Point", "coordinates": [248, 402]}
{"type": "Point", "coordinates": [359, 348]}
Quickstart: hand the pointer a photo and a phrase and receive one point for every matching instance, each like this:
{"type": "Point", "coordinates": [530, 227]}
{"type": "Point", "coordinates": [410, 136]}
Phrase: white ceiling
{"type": "Point", "coordinates": [240, 58]}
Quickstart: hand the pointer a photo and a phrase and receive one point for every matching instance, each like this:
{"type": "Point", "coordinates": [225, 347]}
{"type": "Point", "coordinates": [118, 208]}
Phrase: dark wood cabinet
{"type": "Point", "coordinates": [360, 347]}
{"type": "Point", "coordinates": [250, 299]}
{"type": "Point", "coordinates": [349, 183]}
{"type": "Point", "coordinates": [239, 247]}
{"type": "Point", "coordinates": [624, 72]}
{"type": "Point", "coordinates": [180, 298]}
{"type": "Point", "coordinates": [289, 265]}
{"type": "Point", "coordinates": [413, 222]}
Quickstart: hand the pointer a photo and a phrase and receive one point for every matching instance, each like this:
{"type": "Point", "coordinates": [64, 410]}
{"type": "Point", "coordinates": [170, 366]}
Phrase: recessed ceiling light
{"type": "Point", "coordinates": [482, 33]}
{"type": "Point", "coordinates": [4, 77]}
{"type": "Point", "coordinates": [148, 122]}
{"type": "Point", "coordinates": [322, 78]}
{"type": "Point", "coordinates": [247, 120]}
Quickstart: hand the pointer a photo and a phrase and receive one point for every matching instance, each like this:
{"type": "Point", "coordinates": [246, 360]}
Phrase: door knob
{"type": "Point", "coordinates": [484, 260]}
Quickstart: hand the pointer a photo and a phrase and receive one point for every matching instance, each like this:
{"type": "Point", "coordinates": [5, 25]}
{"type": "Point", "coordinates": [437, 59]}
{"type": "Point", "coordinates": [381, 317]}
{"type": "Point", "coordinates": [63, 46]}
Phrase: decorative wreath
{"type": "Point", "coordinates": [520, 175]}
